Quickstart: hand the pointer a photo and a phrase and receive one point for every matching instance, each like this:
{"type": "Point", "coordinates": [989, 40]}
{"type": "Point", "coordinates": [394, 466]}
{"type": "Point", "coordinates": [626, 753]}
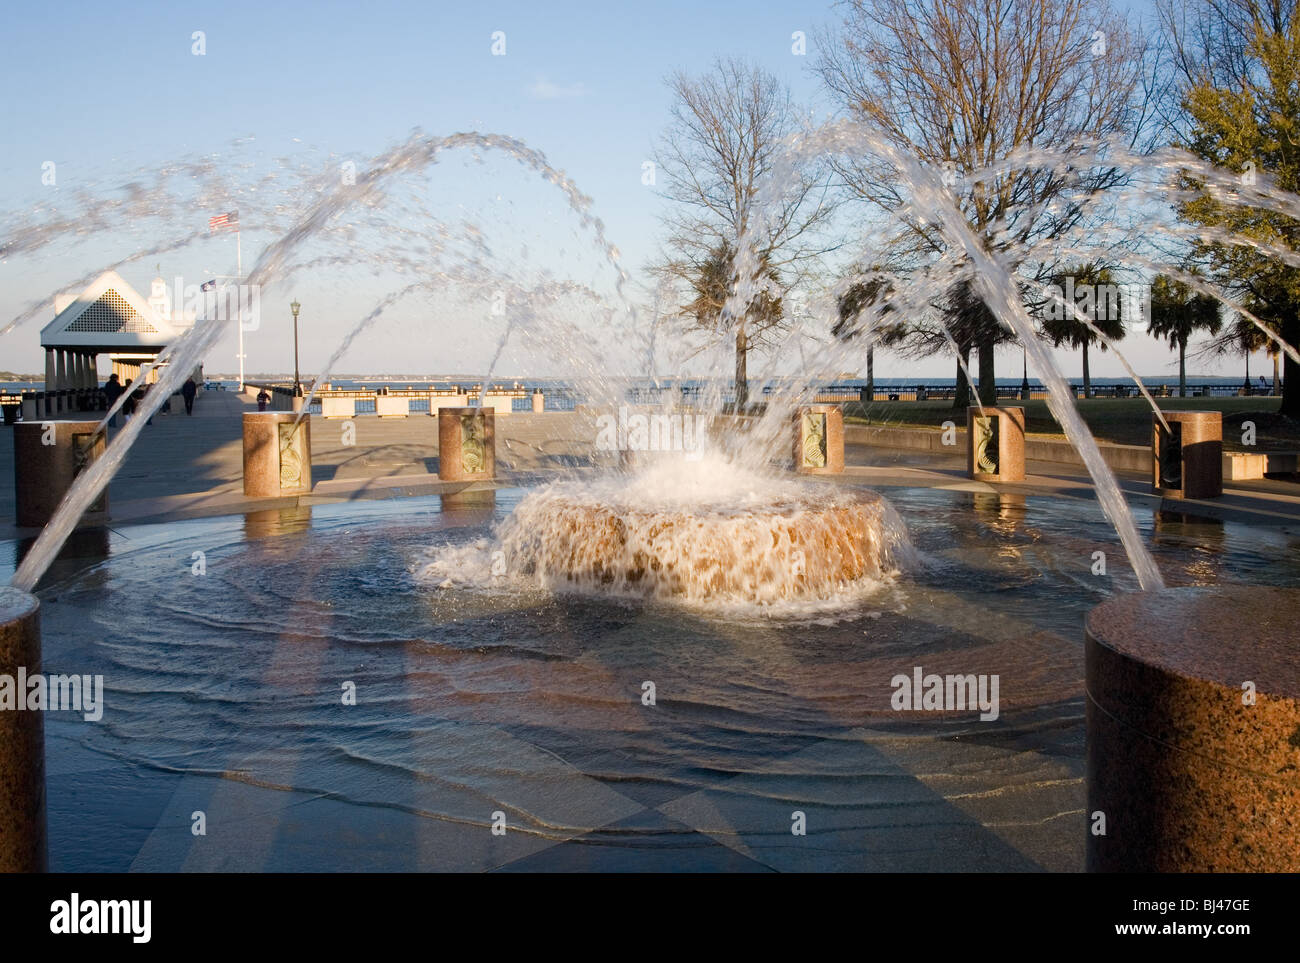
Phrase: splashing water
{"type": "Point", "coordinates": [721, 527]}
{"type": "Point", "coordinates": [274, 263]}
{"type": "Point", "coordinates": [932, 203]}
{"type": "Point", "coordinates": [703, 532]}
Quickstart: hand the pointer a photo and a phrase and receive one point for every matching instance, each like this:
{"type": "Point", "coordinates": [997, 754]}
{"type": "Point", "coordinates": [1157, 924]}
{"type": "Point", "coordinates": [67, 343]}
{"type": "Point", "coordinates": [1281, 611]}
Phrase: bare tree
{"type": "Point", "coordinates": [726, 135]}
{"type": "Point", "coordinates": [963, 84]}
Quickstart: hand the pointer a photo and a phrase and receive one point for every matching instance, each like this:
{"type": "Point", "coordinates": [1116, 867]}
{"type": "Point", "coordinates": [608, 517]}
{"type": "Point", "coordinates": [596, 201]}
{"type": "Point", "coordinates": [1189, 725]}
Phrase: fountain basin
{"type": "Point", "coordinates": [800, 547]}
{"type": "Point", "coordinates": [493, 695]}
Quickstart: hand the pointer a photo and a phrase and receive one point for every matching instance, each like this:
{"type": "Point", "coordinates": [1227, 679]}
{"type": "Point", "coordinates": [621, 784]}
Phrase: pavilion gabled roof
{"type": "Point", "coordinates": [109, 315]}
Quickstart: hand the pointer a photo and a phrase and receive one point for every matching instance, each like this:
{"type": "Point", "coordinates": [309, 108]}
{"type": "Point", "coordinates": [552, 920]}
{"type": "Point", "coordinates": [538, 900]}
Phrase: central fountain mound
{"type": "Point", "coordinates": [704, 531]}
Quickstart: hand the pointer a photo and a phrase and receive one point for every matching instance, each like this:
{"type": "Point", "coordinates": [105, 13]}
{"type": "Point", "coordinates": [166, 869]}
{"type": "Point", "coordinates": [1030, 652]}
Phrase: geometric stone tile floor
{"type": "Point", "coordinates": [914, 802]}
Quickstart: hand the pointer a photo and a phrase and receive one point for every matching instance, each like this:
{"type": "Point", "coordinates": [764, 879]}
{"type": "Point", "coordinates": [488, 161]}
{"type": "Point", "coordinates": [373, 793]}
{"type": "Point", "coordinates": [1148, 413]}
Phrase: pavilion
{"type": "Point", "coordinates": [108, 317]}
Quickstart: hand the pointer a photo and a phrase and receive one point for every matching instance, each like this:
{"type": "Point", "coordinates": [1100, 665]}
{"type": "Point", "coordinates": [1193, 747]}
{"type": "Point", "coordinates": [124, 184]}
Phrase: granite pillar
{"type": "Point", "coordinates": [466, 444]}
{"type": "Point", "coordinates": [1187, 458]}
{"type": "Point", "coordinates": [539, 402]}
{"type": "Point", "coordinates": [819, 440]}
{"type": "Point", "coordinates": [277, 454]}
{"type": "Point", "coordinates": [22, 740]}
{"type": "Point", "coordinates": [1193, 716]}
{"type": "Point", "coordinates": [48, 456]}
{"type": "Point", "coordinates": [995, 444]}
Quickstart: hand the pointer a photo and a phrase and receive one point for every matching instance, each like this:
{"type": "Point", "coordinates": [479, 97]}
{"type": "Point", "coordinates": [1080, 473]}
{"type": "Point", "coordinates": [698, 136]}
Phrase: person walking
{"type": "Point", "coordinates": [112, 391]}
{"type": "Point", "coordinates": [142, 398]}
{"type": "Point", "coordinates": [188, 390]}
{"type": "Point", "coordinates": [262, 400]}
{"type": "Point", "coordinates": [128, 406]}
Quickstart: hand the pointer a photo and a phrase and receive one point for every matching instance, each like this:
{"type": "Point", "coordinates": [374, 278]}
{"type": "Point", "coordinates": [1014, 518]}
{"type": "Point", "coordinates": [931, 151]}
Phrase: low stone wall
{"type": "Point", "coordinates": [1135, 458]}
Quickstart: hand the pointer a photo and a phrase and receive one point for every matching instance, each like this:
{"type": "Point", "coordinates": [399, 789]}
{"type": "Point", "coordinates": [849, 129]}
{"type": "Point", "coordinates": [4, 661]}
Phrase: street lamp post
{"type": "Point", "coordinates": [1024, 381]}
{"type": "Point", "coordinates": [294, 306]}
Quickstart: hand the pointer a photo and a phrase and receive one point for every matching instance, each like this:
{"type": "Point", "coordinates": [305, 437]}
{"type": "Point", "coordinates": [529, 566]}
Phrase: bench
{"type": "Point", "coordinates": [1248, 466]}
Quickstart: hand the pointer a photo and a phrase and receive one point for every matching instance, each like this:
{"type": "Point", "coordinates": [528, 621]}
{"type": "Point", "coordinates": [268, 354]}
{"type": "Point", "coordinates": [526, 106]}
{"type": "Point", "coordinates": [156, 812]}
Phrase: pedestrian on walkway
{"type": "Point", "coordinates": [128, 406]}
{"type": "Point", "coordinates": [188, 391]}
{"type": "Point", "coordinates": [262, 400]}
{"type": "Point", "coordinates": [112, 391]}
{"type": "Point", "coordinates": [142, 398]}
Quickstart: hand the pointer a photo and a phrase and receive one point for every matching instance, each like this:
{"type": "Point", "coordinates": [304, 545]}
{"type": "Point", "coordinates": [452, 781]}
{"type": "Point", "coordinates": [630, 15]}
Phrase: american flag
{"type": "Point", "coordinates": [227, 221]}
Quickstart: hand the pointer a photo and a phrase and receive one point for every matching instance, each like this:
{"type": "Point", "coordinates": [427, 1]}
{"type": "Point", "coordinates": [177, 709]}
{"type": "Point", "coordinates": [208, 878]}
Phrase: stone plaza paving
{"type": "Point", "coordinates": [943, 796]}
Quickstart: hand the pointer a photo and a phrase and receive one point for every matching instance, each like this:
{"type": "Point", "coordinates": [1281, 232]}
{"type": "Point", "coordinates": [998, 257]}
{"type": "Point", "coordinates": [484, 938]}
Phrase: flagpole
{"type": "Point", "coordinates": [239, 269]}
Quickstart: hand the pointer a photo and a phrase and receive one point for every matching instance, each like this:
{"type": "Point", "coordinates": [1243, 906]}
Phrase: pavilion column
{"type": "Point", "coordinates": [49, 381]}
{"type": "Point", "coordinates": [61, 377]}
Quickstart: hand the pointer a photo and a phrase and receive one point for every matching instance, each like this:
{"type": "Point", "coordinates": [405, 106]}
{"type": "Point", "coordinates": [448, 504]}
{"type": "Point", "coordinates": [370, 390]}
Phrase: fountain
{"type": "Point", "coordinates": [995, 444]}
{"type": "Point", "coordinates": [466, 444]}
{"type": "Point", "coordinates": [277, 454]}
{"type": "Point", "coordinates": [1187, 454]}
{"type": "Point", "coordinates": [52, 454]}
{"type": "Point", "coordinates": [819, 440]}
{"type": "Point", "coordinates": [701, 532]}
{"type": "Point", "coordinates": [765, 606]}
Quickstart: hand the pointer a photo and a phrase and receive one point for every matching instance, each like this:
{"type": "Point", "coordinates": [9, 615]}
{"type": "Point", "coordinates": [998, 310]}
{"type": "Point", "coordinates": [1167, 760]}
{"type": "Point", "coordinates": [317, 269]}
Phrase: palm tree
{"type": "Point", "coordinates": [1177, 313]}
{"type": "Point", "coordinates": [972, 324]}
{"type": "Point", "coordinates": [1246, 337]}
{"type": "Point", "coordinates": [1092, 291]}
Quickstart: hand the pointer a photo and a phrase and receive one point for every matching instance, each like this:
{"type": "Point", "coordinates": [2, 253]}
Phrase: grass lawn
{"type": "Point", "coordinates": [1123, 421]}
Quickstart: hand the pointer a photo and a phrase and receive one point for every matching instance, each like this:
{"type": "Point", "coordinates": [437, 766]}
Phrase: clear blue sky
{"type": "Point", "coordinates": [107, 91]}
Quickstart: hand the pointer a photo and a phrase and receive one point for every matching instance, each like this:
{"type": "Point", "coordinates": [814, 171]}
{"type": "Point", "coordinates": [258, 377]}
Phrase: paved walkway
{"type": "Point", "coordinates": [188, 466]}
